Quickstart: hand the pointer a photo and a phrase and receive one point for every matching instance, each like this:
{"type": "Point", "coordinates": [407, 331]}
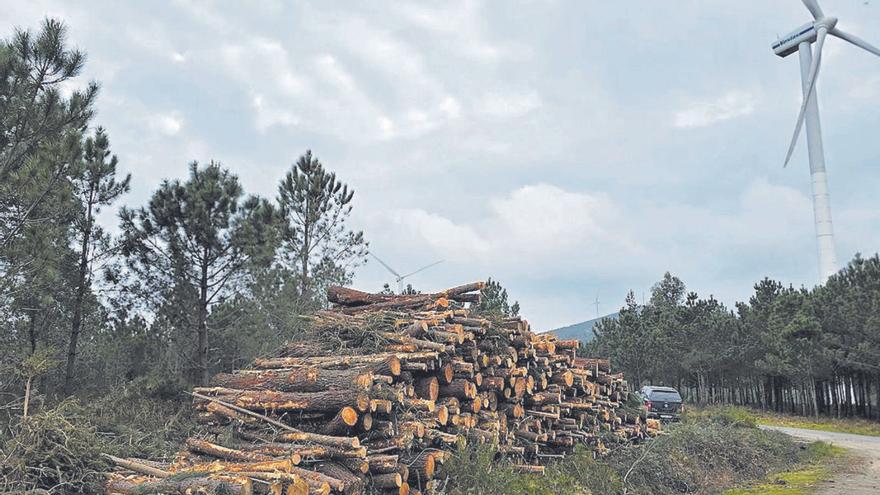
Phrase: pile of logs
{"type": "Point", "coordinates": [380, 392]}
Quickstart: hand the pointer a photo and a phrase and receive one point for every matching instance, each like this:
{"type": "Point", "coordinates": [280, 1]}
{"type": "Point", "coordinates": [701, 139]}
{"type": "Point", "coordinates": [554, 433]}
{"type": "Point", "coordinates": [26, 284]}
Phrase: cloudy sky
{"type": "Point", "coordinates": [564, 148]}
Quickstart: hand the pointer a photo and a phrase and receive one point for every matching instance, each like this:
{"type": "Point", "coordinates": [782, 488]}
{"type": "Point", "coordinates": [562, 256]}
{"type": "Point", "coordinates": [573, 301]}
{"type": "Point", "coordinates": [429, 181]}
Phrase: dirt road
{"type": "Point", "coordinates": [862, 476]}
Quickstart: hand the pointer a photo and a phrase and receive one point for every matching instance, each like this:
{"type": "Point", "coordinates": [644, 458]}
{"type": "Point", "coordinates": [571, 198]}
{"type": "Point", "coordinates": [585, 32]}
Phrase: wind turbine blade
{"type": "Point", "coordinates": [813, 7]}
{"type": "Point", "coordinates": [855, 40]}
{"type": "Point", "coordinates": [811, 87]}
{"type": "Point", "coordinates": [386, 265]}
{"type": "Point", "coordinates": [422, 269]}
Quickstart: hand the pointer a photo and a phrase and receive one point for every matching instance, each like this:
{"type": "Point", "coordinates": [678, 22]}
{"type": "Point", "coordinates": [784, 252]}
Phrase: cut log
{"type": "Point", "coordinates": [345, 419]}
{"type": "Point", "coordinates": [268, 400]}
{"type": "Point", "coordinates": [387, 480]}
{"type": "Point", "coordinates": [428, 388]}
{"type": "Point", "coordinates": [351, 484]}
{"type": "Point", "coordinates": [242, 486]}
{"type": "Point", "coordinates": [220, 452]}
{"type": "Point", "coordinates": [137, 466]}
{"type": "Point", "coordinates": [296, 380]}
{"type": "Point", "coordinates": [459, 388]}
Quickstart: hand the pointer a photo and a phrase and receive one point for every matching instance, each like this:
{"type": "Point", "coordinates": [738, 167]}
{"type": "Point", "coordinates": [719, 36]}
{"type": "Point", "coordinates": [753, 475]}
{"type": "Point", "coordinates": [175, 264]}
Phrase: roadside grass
{"type": "Point", "coordinates": [819, 466]}
{"type": "Point", "coordinates": [855, 426]}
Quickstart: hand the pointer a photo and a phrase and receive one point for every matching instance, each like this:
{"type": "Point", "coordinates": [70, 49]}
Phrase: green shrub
{"type": "Point", "coordinates": [475, 470]}
{"type": "Point", "coordinates": [725, 415]}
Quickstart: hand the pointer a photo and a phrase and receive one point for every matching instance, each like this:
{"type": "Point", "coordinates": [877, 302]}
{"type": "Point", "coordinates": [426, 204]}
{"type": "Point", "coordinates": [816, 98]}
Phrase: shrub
{"type": "Point", "coordinates": [725, 415]}
{"type": "Point", "coordinates": [475, 470]}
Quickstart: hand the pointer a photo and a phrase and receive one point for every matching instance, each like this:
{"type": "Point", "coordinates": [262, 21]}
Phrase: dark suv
{"type": "Point", "coordinates": [663, 403]}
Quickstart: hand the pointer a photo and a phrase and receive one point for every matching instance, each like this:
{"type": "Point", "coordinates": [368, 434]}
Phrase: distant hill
{"type": "Point", "coordinates": [582, 331]}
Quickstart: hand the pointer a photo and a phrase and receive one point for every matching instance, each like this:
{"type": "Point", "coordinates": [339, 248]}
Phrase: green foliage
{"type": "Point", "coordinates": [787, 349]}
{"type": "Point", "coordinates": [40, 150]}
{"type": "Point", "coordinates": [476, 471]}
{"type": "Point", "coordinates": [724, 415]}
{"type": "Point", "coordinates": [95, 186]}
{"type": "Point", "coordinates": [39, 363]}
{"type": "Point", "coordinates": [317, 245]}
{"type": "Point", "coordinates": [193, 246]}
{"type": "Point", "coordinates": [493, 301]}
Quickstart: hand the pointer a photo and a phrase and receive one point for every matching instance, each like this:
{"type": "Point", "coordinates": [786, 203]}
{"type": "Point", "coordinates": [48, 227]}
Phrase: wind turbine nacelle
{"type": "Point", "coordinates": [788, 44]}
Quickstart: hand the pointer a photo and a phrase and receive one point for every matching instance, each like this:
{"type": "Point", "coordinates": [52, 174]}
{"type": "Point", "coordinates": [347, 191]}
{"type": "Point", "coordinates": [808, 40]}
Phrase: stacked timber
{"type": "Point", "coordinates": [379, 391]}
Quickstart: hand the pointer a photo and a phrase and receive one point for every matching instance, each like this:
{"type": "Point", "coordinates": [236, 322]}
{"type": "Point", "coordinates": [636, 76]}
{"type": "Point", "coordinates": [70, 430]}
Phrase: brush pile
{"type": "Point", "coordinates": [379, 391]}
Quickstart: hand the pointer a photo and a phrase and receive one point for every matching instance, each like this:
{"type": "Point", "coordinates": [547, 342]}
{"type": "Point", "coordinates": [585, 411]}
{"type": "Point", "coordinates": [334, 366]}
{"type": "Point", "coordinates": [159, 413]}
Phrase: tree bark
{"type": "Point", "coordinates": [203, 375]}
{"type": "Point", "coordinates": [185, 486]}
{"type": "Point", "coordinates": [298, 379]}
{"type": "Point", "coordinates": [76, 324]}
{"type": "Point", "coordinates": [268, 400]}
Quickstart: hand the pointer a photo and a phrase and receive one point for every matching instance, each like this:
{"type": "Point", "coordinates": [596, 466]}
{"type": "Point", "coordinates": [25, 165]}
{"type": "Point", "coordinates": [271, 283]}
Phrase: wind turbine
{"type": "Point", "coordinates": [400, 277]}
{"type": "Point", "coordinates": [596, 302]}
{"type": "Point", "coordinates": [801, 40]}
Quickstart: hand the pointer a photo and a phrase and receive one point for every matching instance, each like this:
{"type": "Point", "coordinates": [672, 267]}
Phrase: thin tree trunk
{"type": "Point", "coordinates": [76, 325]}
{"type": "Point", "coordinates": [27, 396]}
{"type": "Point", "coordinates": [813, 396]}
{"type": "Point", "coordinates": [203, 375]}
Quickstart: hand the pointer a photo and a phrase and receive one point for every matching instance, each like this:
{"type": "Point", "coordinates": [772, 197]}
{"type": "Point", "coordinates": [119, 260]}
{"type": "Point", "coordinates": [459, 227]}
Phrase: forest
{"type": "Point", "coordinates": [202, 278]}
{"type": "Point", "coordinates": [794, 350]}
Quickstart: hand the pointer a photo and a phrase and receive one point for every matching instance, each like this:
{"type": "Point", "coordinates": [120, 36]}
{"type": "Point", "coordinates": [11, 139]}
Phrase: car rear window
{"type": "Point", "coordinates": [665, 395]}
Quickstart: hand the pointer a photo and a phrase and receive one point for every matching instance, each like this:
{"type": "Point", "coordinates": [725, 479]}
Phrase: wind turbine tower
{"type": "Point", "coordinates": [801, 40]}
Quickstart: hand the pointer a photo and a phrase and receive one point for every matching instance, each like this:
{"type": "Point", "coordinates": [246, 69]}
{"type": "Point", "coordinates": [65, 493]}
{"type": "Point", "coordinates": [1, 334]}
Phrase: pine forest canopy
{"type": "Point", "coordinates": [795, 350]}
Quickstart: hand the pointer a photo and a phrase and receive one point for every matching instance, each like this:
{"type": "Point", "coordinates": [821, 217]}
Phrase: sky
{"type": "Point", "coordinates": [567, 149]}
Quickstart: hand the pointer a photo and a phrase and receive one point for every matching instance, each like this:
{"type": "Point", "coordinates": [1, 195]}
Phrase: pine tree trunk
{"type": "Point", "coordinates": [203, 374]}
{"type": "Point", "coordinates": [76, 325]}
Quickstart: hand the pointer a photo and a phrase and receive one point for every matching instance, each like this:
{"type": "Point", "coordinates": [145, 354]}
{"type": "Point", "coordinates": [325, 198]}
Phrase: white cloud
{"type": "Point", "coordinates": [462, 27]}
{"type": "Point", "coordinates": [505, 105]}
{"type": "Point", "coordinates": [169, 124]}
{"type": "Point", "coordinates": [547, 218]}
{"type": "Point", "coordinates": [454, 241]}
{"type": "Point", "coordinates": [730, 105]}
{"type": "Point", "coordinates": [268, 115]}
{"type": "Point", "coordinates": [530, 227]}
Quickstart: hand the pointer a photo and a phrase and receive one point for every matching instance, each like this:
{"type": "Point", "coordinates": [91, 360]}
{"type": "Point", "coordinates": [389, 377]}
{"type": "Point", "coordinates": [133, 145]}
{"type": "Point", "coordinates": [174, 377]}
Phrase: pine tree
{"type": "Point", "coordinates": [494, 301]}
{"type": "Point", "coordinates": [95, 186]}
{"type": "Point", "coordinates": [39, 129]}
{"type": "Point", "coordinates": [317, 245]}
{"type": "Point", "coordinates": [194, 243]}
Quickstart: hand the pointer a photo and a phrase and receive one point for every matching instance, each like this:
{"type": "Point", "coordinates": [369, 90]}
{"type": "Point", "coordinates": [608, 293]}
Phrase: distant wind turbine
{"type": "Point", "coordinates": [597, 304]}
{"type": "Point", "coordinates": [801, 40]}
{"type": "Point", "coordinates": [400, 277]}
